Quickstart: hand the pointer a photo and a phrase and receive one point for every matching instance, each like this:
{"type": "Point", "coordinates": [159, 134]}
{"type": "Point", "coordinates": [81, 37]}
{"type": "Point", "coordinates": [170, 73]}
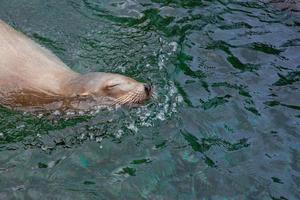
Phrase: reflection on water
{"type": "Point", "coordinates": [224, 125]}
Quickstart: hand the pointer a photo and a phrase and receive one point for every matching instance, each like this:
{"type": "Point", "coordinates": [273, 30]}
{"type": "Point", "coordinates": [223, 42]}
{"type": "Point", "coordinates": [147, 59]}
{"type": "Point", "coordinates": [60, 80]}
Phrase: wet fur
{"type": "Point", "coordinates": [32, 76]}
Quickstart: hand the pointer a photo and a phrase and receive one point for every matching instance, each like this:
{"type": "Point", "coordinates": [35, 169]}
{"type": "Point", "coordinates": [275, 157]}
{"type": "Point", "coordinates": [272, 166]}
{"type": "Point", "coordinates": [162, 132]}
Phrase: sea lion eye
{"type": "Point", "coordinates": [111, 86]}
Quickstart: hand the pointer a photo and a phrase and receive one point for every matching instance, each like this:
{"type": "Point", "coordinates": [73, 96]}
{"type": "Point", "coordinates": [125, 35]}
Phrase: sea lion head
{"type": "Point", "coordinates": [112, 88]}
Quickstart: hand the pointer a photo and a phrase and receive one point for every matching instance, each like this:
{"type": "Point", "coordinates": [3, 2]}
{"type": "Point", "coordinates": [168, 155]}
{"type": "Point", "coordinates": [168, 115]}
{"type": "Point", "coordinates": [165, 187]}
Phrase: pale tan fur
{"type": "Point", "coordinates": [24, 63]}
{"type": "Point", "coordinates": [32, 76]}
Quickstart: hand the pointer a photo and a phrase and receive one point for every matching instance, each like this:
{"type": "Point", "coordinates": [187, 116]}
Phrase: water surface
{"type": "Point", "coordinates": [225, 124]}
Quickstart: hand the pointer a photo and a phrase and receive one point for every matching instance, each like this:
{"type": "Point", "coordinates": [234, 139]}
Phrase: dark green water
{"type": "Point", "coordinates": [225, 124]}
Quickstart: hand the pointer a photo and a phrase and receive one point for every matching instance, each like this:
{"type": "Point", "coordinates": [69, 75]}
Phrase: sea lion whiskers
{"type": "Point", "coordinates": [123, 99]}
{"type": "Point", "coordinates": [137, 98]}
{"type": "Point", "coordinates": [130, 98]}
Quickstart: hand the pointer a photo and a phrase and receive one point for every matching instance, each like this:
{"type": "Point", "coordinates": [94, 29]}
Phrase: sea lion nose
{"type": "Point", "coordinates": [148, 88]}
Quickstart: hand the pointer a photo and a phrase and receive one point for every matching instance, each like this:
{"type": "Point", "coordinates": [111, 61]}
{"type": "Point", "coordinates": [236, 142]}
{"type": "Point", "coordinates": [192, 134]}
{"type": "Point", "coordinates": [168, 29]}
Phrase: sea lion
{"type": "Point", "coordinates": [31, 77]}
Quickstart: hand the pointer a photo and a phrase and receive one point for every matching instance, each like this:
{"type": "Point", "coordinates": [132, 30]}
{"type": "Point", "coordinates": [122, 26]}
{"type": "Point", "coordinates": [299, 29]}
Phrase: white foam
{"type": "Point", "coordinates": [20, 126]}
{"type": "Point", "coordinates": [70, 113]}
{"type": "Point", "coordinates": [132, 127]}
{"type": "Point", "coordinates": [82, 136]}
{"type": "Point", "coordinates": [91, 136]}
{"type": "Point", "coordinates": [56, 113]}
{"type": "Point", "coordinates": [99, 139]}
{"type": "Point", "coordinates": [51, 164]}
{"type": "Point", "coordinates": [174, 46]}
{"type": "Point", "coordinates": [119, 134]}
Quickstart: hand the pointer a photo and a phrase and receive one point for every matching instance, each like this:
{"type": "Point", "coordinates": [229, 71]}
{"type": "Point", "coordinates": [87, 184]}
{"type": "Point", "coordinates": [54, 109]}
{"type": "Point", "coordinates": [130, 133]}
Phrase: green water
{"type": "Point", "coordinates": [225, 124]}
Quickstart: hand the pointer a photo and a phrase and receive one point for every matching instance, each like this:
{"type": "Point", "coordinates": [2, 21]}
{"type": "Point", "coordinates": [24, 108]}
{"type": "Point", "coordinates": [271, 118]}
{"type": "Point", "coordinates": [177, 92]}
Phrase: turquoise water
{"type": "Point", "coordinates": [224, 125]}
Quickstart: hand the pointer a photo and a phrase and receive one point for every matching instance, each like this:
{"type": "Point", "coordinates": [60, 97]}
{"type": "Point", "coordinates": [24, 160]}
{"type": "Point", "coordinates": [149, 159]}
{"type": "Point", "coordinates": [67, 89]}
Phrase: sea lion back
{"type": "Point", "coordinates": [24, 64]}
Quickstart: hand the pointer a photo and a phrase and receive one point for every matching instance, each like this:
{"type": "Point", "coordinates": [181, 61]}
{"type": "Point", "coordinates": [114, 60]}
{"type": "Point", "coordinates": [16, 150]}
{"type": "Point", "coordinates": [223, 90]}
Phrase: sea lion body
{"type": "Point", "coordinates": [25, 64]}
{"type": "Point", "coordinates": [32, 76]}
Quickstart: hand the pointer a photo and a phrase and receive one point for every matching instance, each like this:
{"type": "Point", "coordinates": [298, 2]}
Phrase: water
{"type": "Point", "coordinates": [225, 123]}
